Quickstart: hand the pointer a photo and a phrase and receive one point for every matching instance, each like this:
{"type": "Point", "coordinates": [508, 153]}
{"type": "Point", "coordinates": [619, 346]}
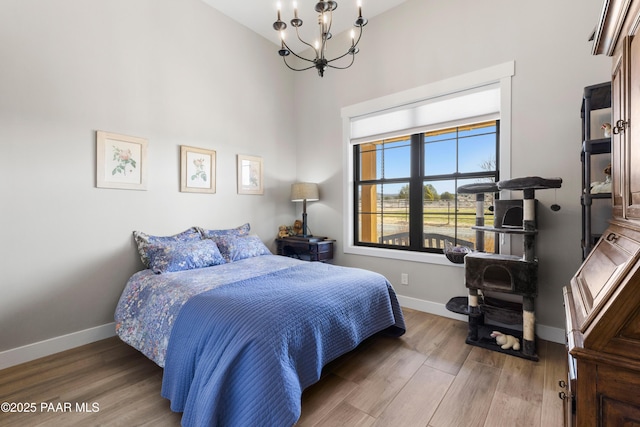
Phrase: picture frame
{"type": "Point", "coordinates": [121, 161]}
{"type": "Point", "coordinates": [250, 175]}
{"type": "Point", "coordinates": [197, 170]}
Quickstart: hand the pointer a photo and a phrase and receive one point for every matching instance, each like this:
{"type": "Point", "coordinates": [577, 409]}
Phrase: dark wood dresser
{"type": "Point", "coordinates": [602, 301]}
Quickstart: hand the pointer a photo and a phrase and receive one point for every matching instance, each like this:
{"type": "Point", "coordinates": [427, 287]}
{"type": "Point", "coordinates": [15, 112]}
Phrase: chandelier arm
{"type": "Point", "coordinates": [339, 57]}
{"type": "Point", "coordinates": [302, 41]}
{"type": "Point", "coordinates": [353, 59]}
{"type": "Point", "coordinates": [296, 69]}
{"type": "Point", "coordinates": [298, 56]}
{"type": "Point", "coordinates": [348, 51]}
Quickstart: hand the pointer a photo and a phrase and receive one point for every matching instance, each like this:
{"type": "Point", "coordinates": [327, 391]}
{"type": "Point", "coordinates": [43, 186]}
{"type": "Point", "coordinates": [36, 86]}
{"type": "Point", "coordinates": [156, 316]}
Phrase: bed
{"type": "Point", "coordinates": [240, 332]}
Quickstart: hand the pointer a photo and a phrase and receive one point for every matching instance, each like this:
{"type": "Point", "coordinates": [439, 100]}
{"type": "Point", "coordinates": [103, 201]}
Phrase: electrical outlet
{"type": "Point", "coordinates": [404, 279]}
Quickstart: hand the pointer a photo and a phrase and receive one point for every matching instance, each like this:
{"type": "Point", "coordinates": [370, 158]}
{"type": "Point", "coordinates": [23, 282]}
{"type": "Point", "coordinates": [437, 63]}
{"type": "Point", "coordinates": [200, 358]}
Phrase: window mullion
{"type": "Point", "coordinates": [356, 191]}
{"type": "Point", "coordinates": [416, 195]}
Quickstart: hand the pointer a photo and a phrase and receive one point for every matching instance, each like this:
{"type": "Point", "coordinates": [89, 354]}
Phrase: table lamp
{"type": "Point", "coordinates": [303, 192]}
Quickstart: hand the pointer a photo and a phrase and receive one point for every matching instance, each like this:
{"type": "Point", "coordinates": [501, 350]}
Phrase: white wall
{"type": "Point", "coordinates": [425, 41]}
{"type": "Point", "coordinates": [175, 72]}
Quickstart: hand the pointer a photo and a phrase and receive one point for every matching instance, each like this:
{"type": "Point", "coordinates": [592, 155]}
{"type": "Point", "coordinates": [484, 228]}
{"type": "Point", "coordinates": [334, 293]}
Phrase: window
{"type": "Point", "coordinates": [406, 187]}
{"type": "Point", "coordinates": [419, 125]}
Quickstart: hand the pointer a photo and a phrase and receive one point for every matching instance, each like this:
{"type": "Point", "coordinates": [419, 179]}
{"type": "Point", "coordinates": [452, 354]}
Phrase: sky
{"type": "Point", "coordinates": [476, 147]}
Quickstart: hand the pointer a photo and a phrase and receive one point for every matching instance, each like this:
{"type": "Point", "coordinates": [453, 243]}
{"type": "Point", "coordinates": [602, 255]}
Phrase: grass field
{"type": "Point", "coordinates": [435, 215]}
{"type": "Point", "coordinates": [439, 217]}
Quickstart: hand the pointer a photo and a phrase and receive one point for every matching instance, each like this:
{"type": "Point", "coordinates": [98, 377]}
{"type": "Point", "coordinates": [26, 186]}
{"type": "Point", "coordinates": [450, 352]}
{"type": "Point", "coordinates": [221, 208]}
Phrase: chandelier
{"type": "Point", "coordinates": [325, 14]}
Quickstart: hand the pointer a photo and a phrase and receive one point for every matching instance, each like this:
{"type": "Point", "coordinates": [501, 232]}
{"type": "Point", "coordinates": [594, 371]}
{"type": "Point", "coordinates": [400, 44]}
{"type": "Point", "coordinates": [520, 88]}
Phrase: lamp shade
{"type": "Point", "coordinates": [302, 191]}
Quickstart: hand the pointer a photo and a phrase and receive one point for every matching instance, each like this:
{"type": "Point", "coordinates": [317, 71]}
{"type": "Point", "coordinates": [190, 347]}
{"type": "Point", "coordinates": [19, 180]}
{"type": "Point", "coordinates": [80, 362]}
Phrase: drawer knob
{"type": "Point", "coordinates": [612, 237]}
{"type": "Point", "coordinates": [562, 383]}
{"type": "Point", "coordinates": [562, 395]}
{"type": "Point", "coordinates": [620, 126]}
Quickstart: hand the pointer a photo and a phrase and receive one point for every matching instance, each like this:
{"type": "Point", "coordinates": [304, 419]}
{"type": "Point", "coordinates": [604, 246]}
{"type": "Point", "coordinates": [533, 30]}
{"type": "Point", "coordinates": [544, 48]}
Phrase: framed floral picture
{"type": "Point", "coordinates": [197, 170]}
{"type": "Point", "coordinates": [250, 175]}
{"type": "Point", "coordinates": [121, 161]}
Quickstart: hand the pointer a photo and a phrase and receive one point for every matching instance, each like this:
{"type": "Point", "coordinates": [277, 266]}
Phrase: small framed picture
{"type": "Point", "coordinates": [121, 161]}
{"type": "Point", "coordinates": [250, 175]}
{"type": "Point", "coordinates": [197, 170]}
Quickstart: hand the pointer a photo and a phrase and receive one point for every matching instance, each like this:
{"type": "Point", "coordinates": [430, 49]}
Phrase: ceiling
{"type": "Point", "coordinates": [259, 15]}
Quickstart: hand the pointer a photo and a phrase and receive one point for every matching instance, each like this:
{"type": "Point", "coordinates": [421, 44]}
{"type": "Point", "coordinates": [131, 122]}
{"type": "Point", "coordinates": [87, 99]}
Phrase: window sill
{"type": "Point", "coordinates": [423, 257]}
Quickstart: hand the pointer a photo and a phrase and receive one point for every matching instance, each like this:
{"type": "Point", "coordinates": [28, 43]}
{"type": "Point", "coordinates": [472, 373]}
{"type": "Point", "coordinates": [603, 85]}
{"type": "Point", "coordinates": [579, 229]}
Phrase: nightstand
{"type": "Point", "coordinates": [308, 249]}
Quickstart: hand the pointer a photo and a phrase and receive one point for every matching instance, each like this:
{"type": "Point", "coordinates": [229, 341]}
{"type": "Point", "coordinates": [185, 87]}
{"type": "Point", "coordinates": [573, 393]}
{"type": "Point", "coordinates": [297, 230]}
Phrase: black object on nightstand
{"type": "Point", "coordinates": [306, 248]}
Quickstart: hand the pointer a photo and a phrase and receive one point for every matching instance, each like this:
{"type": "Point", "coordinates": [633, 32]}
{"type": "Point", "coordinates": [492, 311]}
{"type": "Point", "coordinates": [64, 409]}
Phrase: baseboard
{"type": "Point", "coordinates": [429, 307]}
{"type": "Point", "coordinates": [545, 332]}
{"type": "Point", "coordinates": [40, 349]}
{"type": "Point", "coordinates": [34, 351]}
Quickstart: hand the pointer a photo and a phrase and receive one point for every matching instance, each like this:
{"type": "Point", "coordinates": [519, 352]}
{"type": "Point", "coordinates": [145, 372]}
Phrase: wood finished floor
{"type": "Point", "coordinates": [428, 377]}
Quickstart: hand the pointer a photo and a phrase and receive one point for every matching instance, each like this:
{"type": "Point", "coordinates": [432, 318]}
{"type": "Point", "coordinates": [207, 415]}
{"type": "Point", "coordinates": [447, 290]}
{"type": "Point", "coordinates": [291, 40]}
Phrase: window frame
{"type": "Point", "coordinates": [498, 75]}
{"type": "Point", "coordinates": [415, 181]}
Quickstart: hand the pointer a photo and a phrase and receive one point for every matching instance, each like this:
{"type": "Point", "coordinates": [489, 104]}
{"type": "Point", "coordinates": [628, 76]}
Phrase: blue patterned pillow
{"type": "Point", "coordinates": [235, 248]}
{"type": "Point", "coordinates": [143, 240]}
{"type": "Point", "coordinates": [243, 230]}
{"type": "Point", "coordinates": [177, 256]}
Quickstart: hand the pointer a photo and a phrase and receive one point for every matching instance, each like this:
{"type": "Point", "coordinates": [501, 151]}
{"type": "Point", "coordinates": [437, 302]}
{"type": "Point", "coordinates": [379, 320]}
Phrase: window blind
{"type": "Point", "coordinates": [478, 104]}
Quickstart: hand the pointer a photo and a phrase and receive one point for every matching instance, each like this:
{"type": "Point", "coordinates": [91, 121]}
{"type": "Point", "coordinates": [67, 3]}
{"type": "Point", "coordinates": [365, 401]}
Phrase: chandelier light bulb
{"type": "Point", "coordinates": [283, 49]}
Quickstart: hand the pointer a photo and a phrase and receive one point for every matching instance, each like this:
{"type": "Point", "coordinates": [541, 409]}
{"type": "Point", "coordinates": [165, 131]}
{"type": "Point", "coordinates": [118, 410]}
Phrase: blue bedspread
{"type": "Point", "coordinates": [150, 302]}
{"type": "Point", "coordinates": [241, 354]}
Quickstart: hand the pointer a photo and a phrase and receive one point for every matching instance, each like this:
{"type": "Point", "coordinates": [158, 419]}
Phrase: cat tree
{"type": "Point", "coordinates": [502, 273]}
